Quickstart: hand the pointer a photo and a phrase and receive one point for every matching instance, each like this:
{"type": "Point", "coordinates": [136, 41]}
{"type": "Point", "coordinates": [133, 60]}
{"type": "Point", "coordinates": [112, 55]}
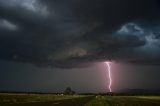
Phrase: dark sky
{"type": "Point", "coordinates": [47, 45]}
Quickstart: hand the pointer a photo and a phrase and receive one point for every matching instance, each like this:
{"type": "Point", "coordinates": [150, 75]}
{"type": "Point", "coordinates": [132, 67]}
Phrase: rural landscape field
{"type": "Point", "coordinates": [79, 52]}
{"type": "Point", "coordinates": [22, 99]}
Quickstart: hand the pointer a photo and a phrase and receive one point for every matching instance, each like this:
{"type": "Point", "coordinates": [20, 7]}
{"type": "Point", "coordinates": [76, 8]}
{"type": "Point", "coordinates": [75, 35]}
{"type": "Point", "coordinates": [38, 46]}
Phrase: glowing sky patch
{"type": "Point", "coordinates": [7, 25]}
{"type": "Point", "coordinates": [131, 29]}
{"type": "Point", "coordinates": [30, 5]}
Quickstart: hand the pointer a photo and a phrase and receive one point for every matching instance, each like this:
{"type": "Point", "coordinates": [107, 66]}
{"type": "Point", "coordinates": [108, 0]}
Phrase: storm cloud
{"type": "Point", "coordinates": [76, 33]}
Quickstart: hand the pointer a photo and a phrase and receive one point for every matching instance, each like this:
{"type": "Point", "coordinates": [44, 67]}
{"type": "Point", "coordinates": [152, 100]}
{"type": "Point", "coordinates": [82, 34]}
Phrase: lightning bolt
{"type": "Point", "coordinates": [109, 74]}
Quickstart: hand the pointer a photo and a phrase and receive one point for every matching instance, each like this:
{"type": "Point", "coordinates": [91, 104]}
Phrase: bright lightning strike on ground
{"type": "Point", "coordinates": [109, 74]}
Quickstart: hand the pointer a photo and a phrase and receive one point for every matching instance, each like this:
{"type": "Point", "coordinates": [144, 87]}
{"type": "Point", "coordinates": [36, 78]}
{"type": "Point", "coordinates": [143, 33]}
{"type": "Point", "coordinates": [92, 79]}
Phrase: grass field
{"type": "Point", "coordinates": [12, 99]}
{"type": "Point", "coordinates": [124, 101]}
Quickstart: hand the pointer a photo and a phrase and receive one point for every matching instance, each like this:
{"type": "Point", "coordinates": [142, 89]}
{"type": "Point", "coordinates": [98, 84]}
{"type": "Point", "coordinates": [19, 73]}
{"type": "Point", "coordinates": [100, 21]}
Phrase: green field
{"type": "Point", "coordinates": [13, 99]}
{"type": "Point", "coordinates": [125, 101]}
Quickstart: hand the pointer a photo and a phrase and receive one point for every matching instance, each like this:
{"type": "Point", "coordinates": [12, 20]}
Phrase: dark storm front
{"type": "Point", "coordinates": [105, 50]}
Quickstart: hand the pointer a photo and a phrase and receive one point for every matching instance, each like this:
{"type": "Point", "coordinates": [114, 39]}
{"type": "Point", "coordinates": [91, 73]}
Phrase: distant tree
{"type": "Point", "coordinates": [69, 91]}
